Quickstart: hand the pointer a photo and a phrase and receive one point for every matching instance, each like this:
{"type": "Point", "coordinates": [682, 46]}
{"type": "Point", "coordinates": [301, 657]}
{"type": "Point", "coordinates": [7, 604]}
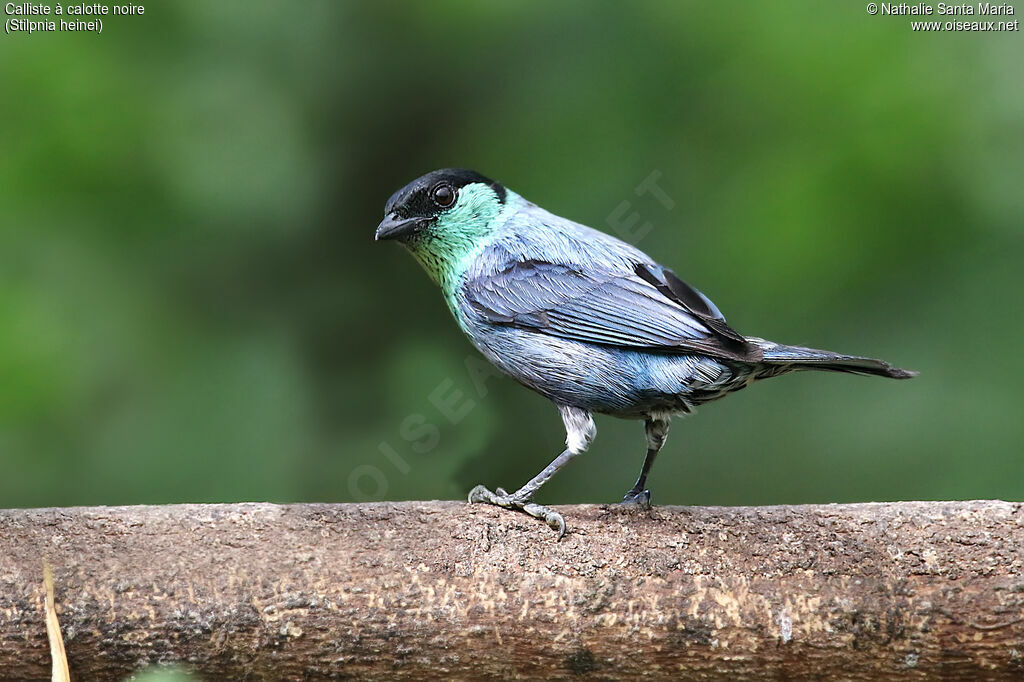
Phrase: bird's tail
{"type": "Point", "coordinates": [779, 359]}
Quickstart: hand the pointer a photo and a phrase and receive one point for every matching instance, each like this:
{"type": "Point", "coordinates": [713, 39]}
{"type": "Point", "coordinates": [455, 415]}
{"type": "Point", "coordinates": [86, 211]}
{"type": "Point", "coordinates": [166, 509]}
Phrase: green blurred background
{"type": "Point", "coordinates": [192, 307]}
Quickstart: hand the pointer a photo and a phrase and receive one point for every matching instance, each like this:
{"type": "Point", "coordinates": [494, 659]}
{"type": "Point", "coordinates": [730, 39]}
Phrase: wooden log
{"type": "Point", "coordinates": [445, 590]}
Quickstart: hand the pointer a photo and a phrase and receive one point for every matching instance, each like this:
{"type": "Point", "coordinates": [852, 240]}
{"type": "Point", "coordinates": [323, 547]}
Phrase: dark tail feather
{"type": "Point", "coordinates": [780, 359]}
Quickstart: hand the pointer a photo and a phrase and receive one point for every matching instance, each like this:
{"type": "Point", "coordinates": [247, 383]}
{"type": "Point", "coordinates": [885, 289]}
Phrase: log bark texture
{"type": "Point", "coordinates": [444, 590]}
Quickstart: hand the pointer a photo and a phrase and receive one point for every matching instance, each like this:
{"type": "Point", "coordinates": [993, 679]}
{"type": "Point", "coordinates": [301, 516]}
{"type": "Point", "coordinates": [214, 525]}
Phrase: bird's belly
{"type": "Point", "coordinates": [625, 383]}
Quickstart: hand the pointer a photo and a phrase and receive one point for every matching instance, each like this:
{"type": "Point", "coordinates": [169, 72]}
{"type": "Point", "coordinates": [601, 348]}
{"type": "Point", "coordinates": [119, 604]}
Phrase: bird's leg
{"type": "Point", "coordinates": [520, 499]}
{"type": "Point", "coordinates": [580, 430]}
{"type": "Point", "coordinates": [656, 429]}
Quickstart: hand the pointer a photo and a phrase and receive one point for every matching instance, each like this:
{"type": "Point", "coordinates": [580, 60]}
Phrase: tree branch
{"type": "Point", "coordinates": [444, 590]}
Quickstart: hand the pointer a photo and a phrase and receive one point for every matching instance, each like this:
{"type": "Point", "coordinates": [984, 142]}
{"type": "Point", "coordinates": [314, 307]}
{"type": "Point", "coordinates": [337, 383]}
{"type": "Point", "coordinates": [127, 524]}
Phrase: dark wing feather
{"type": "Point", "coordinates": [649, 309]}
{"type": "Point", "coordinates": [665, 281]}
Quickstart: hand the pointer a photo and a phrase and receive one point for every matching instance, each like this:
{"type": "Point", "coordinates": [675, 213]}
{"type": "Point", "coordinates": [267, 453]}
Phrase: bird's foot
{"type": "Point", "coordinates": [637, 498]}
{"type": "Point", "coordinates": [501, 498]}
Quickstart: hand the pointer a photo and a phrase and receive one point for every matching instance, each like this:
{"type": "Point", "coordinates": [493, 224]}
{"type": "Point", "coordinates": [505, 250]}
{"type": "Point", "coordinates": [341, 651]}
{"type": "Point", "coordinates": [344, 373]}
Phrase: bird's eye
{"type": "Point", "coordinates": [443, 195]}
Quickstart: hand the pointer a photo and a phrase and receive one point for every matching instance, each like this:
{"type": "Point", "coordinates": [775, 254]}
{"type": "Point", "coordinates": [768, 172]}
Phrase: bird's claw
{"type": "Point", "coordinates": [501, 498]}
{"type": "Point", "coordinates": [548, 516]}
{"type": "Point", "coordinates": [637, 498]}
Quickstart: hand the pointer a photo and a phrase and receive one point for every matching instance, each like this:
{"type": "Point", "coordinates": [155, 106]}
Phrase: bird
{"type": "Point", "coordinates": [581, 317]}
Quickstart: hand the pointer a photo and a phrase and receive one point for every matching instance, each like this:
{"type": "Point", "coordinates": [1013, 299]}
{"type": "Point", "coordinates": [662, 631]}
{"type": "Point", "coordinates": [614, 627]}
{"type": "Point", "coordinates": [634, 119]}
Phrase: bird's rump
{"type": "Point", "coordinates": [647, 308]}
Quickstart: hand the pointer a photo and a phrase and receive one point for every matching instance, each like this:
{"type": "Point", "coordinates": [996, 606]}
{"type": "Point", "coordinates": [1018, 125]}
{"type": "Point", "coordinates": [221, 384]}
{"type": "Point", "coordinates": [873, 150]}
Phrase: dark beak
{"type": "Point", "coordinates": [393, 226]}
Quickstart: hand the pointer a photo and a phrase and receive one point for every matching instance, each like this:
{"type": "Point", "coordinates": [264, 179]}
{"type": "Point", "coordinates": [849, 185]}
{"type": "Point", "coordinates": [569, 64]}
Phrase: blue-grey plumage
{"type": "Point", "coordinates": [583, 318]}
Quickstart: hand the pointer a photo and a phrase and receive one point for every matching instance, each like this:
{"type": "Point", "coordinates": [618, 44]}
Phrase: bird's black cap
{"type": "Point", "coordinates": [414, 198]}
{"type": "Point", "coordinates": [412, 207]}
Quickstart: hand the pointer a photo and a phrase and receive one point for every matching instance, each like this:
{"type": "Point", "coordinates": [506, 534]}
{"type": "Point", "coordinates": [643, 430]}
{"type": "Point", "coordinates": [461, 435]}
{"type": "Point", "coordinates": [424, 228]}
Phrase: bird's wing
{"type": "Point", "coordinates": [646, 309]}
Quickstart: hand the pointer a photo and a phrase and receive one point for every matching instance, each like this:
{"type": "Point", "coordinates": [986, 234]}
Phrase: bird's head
{"type": "Point", "coordinates": [443, 217]}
